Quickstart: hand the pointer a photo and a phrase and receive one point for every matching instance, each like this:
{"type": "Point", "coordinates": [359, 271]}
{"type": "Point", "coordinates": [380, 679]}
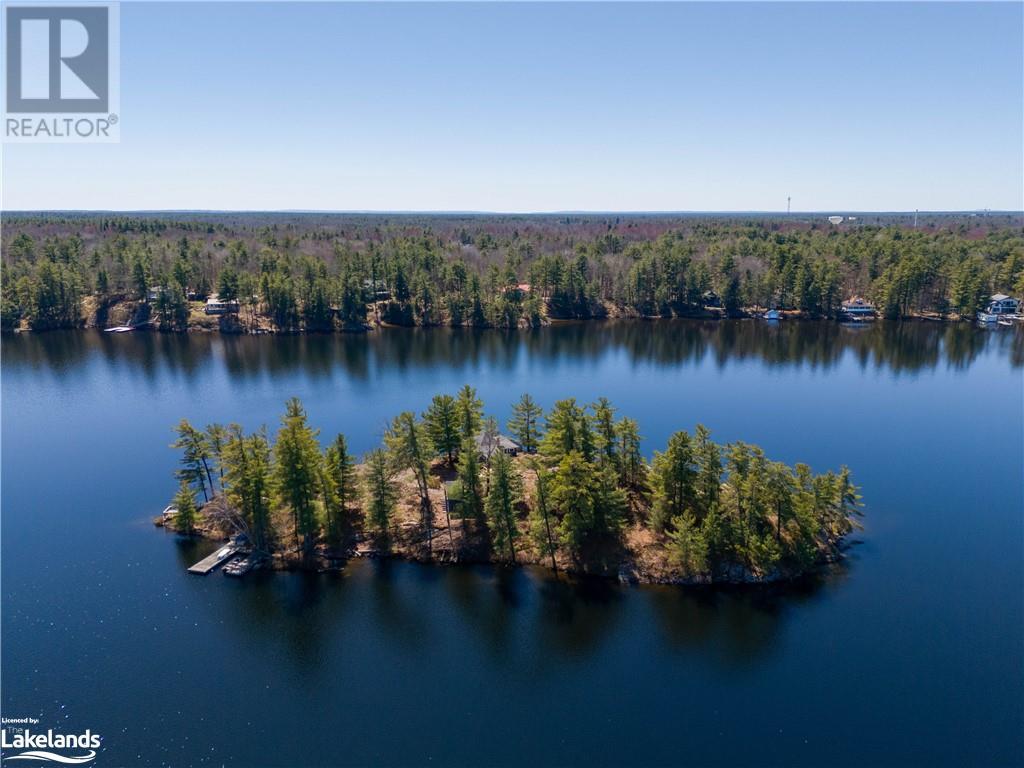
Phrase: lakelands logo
{"type": "Point", "coordinates": [61, 79]}
{"type": "Point", "coordinates": [48, 747]}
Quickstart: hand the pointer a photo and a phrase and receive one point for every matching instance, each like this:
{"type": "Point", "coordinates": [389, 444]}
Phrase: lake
{"type": "Point", "coordinates": [910, 652]}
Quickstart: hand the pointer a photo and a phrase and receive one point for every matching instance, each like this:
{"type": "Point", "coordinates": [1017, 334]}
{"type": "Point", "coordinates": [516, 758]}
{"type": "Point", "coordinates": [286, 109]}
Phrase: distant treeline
{"type": "Point", "coordinates": [483, 271]}
{"type": "Point", "coordinates": [572, 487]}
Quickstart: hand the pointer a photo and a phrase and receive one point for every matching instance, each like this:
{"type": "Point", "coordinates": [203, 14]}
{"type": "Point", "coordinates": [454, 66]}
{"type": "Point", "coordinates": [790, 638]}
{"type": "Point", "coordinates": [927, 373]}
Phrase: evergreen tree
{"type": "Point", "coordinates": [687, 546]}
{"type": "Point", "coordinates": [442, 422]}
{"type": "Point", "coordinates": [380, 491]}
{"type": "Point", "coordinates": [185, 503]}
{"type": "Point", "coordinates": [195, 459]}
{"type": "Point", "coordinates": [410, 448]}
{"type": "Point", "coordinates": [472, 497]}
{"type": "Point", "coordinates": [216, 439]}
{"type": "Point", "coordinates": [541, 529]}
{"type": "Point", "coordinates": [610, 502]}
{"type": "Point", "coordinates": [505, 492]}
{"type": "Point", "coordinates": [524, 424]}
{"type": "Point", "coordinates": [673, 477]}
{"type": "Point", "coordinates": [470, 412]}
{"type": "Point", "coordinates": [709, 460]}
{"type": "Point", "coordinates": [604, 431]}
{"type": "Point", "coordinates": [297, 471]}
{"type": "Point", "coordinates": [632, 468]}
{"type": "Point", "coordinates": [247, 479]}
{"type": "Point", "coordinates": [567, 429]}
{"type": "Point", "coordinates": [341, 486]}
{"type": "Point", "coordinates": [572, 496]}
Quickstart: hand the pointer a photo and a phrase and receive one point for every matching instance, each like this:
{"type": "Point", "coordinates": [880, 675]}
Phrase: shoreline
{"type": "Point", "coordinates": [210, 324]}
{"type": "Point", "coordinates": [634, 550]}
{"type": "Point", "coordinates": [328, 560]}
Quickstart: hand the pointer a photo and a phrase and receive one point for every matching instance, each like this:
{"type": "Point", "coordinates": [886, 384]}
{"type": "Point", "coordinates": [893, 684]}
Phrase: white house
{"type": "Point", "coordinates": [856, 308]}
{"type": "Point", "coordinates": [217, 306]}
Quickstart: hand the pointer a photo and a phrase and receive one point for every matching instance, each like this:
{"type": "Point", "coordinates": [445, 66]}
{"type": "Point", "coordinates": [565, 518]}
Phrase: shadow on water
{"type": "Point", "coordinates": [905, 347]}
{"type": "Point", "coordinates": [738, 626]}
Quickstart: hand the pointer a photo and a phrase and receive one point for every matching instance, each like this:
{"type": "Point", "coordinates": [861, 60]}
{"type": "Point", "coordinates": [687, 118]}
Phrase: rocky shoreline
{"type": "Point", "coordinates": [639, 558]}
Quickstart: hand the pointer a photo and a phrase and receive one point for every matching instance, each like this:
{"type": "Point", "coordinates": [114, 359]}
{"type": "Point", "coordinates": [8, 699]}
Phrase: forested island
{"type": "Point", "coordinates": [568, 489]}
{"type": "Point", "coordinates": [328, 272]}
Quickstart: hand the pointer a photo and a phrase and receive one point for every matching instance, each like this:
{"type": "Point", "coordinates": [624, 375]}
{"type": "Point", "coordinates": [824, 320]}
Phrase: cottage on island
{"type": "Point", "coordinates": [488, 445]}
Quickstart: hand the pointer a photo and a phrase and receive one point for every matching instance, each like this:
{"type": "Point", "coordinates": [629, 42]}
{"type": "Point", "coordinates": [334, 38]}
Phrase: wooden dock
{"type": "Point", "coordinates": [211, 561]}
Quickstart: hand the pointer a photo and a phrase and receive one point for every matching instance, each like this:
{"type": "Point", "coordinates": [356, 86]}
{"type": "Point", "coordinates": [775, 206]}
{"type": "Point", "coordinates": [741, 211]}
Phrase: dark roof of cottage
{"type": "Point", "coordinates": [489, 443]}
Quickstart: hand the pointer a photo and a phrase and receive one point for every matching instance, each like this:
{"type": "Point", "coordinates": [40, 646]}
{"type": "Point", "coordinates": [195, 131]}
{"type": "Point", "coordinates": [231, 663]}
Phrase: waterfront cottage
{"type": "Point", "coordinates": [488, 445]}
{"type": "Point", "coordinates": [1001, 304]}
{"type": "Point", "coordinates": [856, 308]}
{"type": "Point", "coordinates": [217, 306]}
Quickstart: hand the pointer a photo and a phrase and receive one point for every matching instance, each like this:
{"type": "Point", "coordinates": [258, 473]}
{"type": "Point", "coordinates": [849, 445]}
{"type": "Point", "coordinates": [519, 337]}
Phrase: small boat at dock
{"type": "Point", "coordinates": [119, 329]}
{"type": "Point", "coordinates": [239, 566]}
{"type": "Point", "coordinates": [772, 314]}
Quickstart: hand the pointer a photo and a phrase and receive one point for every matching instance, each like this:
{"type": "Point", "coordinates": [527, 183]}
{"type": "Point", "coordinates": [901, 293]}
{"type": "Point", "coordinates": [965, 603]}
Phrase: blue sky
{"type": "Point", "coordinates": [540, 107]}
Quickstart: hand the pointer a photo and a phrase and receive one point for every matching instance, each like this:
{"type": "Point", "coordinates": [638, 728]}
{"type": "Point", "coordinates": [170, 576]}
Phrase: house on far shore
{"type": "Point", "coordinates": [488, 445]}
{"type": "Point", "coordinates": [518, 291]}
{"type": "Point", "coordinates": [216, 306]}
{"type": "Point", "coordinates": [155, 292]}
{"type": "Point", "coordinates": [1001, 304]}
{"type": "Point", "coordinates": [856, 308]}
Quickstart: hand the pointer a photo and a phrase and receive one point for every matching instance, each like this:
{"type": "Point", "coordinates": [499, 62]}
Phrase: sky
{"type": "Point", "coordinates": [552, 107]}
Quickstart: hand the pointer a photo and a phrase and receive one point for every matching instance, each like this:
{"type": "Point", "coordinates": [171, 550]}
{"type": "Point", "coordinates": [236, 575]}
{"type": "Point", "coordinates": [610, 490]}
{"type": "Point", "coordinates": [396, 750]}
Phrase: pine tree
{"type": "Point", "coordinates": [186, 506]}
{"type": "Point", "coordinates": [216, 438]}
{"type": "Point", "coordinates": [247, 478]}
{"type": "Point", "coordinates": [567, 429]}
{"type": "Point", "coordinates": [340, 487]}
{"type": "Point", "coordinates": [195, 458]}
{"type": "Point", "coordinates": [297, 471]}
{"type": "Point", "coordinates": [472, 501]}
{"type": "Point", "coordinates": [709, 479]}
{"type": "Point", "coordinates": [506, 491]}
{"type": "Point", "coordinates": [524, 424]}
{"type": "Point", "coordinates": [674, 477]}
{"type": "Point", "coordinates": [442, 422]}
{"type": "Point", "coordinates": [604, 431]}
{"type": "Point", "coordinates": [470, 412]}
{"type": "Point", "coordinates": [572, 496]}
{"type": "Point", "coordinates": [410, 448]}
{"type": "Point", "coordinates": [687, 546]}
{"type": "Point", "coordinates": [610, 501]}
{"type": "Point", "coordinates": [632, 468]}
{"type": "Point", "coordinates": [541, 529]}
{"type": "Point", "coordinates": [380, 491]}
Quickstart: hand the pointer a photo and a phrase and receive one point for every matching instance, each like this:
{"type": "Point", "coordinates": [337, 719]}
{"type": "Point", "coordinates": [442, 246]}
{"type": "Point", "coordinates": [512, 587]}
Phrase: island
{"type": "Point", "coordinates": [568, 489]}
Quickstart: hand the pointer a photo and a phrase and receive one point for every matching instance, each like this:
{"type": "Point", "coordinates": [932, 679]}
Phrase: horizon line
{"type": "Point", "coordinates": [566, 212]}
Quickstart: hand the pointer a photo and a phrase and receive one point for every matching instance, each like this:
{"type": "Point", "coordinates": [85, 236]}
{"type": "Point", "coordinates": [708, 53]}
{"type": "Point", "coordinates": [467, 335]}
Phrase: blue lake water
{"type": "Point", "coordinates": [912, 652]}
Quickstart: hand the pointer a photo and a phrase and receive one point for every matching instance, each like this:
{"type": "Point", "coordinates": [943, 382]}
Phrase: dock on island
{"type": "Point", "coordinates": [211, 561]}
